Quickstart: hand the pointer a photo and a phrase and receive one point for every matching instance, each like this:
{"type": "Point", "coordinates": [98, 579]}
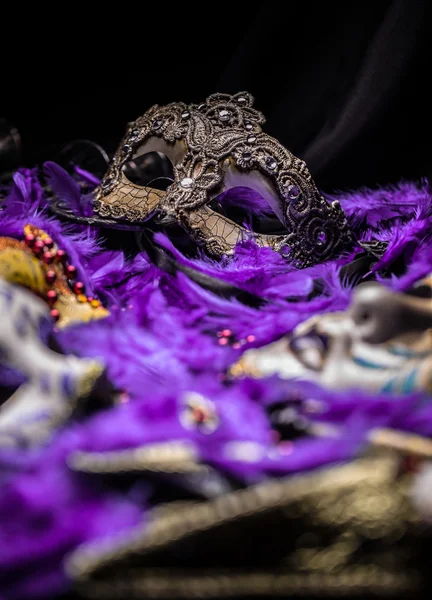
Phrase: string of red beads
{"type": "Point", "coordinates": [226, 337]}
{"type": "Point", "coordinates": [43, 248]}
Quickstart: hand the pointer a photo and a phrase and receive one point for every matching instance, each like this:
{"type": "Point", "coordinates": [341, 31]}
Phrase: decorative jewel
{"type": "Point", "coordinates": [55, 314]}
{"type": "Point", "coordinates": [95, 303]}
{"type": "Point", "coordinates": [52, 297]}
{"type": "Point", "coordinates": [71, 272]}
{"type": "Point", "coordinates": [81, 298]}
{"type": "Point", "coordinates": [29, 239]}
{"type": "Point", "coordinates": [270, 162]}
{"type": "Point", "coordinates": [185, 114]}
{"type": "Point", "coordinates": [78, 287]}
{"type": "Point", "coordinates": [251, 139]}
{"type": "Point", "coordinates": [186, 182]}
{"type": "Point", "coordinates": [292, 191]}
{"type": "Point", "coordinates": [321, 238]}
{"type": "Point", "coordinates": [50, 277]}
{"type": "Point", "coordinates": [49, 243]}
{"type": "Point", "coordinates": [38, 246]}
{"type": "Point", "coordinates": [157, 123]}
{"type": "Point", "coordinates": [241, 100]}
{"type": "Point", "coordinates": [126, 148]}
{"type": "Point", "coordinates": [248, 126]}
{"type": "Point", "coordinates": [61, 255]}
{"type": "Point", "coordinates": [224, 115]}
{"type": "Point", "coordinates": [48, 258]}
{"type": "Point", "coordinates": [199, 413]}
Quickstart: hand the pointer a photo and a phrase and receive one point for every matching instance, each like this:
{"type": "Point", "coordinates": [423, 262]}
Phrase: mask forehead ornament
{"type": "Point", "coordinates": [214, 147]}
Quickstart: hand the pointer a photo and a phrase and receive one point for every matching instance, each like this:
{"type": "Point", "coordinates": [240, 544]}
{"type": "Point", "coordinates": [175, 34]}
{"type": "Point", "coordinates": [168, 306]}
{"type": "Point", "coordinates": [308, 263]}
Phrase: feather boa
{"type": "Point", "coordinates": [160, 342]}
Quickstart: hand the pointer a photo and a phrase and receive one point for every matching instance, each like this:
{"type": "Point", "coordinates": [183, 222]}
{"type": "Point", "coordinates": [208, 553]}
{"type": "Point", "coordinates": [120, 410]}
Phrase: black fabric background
{"type": "Point", "coordinates": [345, 85]}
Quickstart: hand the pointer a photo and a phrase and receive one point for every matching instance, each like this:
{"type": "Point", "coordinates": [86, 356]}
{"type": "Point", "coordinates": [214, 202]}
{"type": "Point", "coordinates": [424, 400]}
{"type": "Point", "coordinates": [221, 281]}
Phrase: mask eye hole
{"type": "Point", "coordinates": [249, 208]}
{"type": "Point", "coordinates": [153, 169]}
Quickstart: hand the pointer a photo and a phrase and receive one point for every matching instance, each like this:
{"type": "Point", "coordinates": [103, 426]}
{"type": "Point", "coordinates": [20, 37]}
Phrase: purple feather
{"type": "Point", "coordinates": [161, 341]}
{"type": "Point", "coordinates": [65, 187]}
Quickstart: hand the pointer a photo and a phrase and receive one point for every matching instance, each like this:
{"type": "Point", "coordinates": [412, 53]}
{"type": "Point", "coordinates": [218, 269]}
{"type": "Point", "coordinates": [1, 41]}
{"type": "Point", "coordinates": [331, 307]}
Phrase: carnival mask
{"type": "Point", "coordinates": [382, 342]}
{"type": "Point", "coordinates": [213, 148]}
{"type": "Point", "coordinates": [54, 383]}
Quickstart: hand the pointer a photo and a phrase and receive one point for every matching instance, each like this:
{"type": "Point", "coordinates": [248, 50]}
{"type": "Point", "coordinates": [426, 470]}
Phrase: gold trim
{"type": "Point", "coordinates": [362, 496]}
{"type": "Point", "coordinates": [170, 583]}
{"type": "Point", "coordinates": [166, 457]}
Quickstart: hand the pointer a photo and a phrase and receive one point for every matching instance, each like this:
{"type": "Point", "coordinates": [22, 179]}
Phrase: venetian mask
{"type": "Point", "coordinates": [54, 383]}
{"type": "Point", "coordinates": [214, 148]}
{"type": "Point", "coordinates": [382, 342]}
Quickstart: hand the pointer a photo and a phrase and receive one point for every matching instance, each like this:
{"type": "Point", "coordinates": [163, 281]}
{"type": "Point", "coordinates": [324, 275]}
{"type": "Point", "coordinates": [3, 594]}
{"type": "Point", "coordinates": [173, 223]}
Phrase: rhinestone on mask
{"type": "Point", "coordinates": [271, 163]}
{"type": "Point", "coordinates": [224, 115]}
{"type": "Point", "coordinates": [157, 123]}
{"type": "Point", "coordinates": [292, 191]}
{"type": "Point", "coordinates": [186, 182]}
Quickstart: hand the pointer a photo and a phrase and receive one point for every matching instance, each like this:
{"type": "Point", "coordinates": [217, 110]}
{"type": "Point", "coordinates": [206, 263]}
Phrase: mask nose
{"type": "Point", "coordinates": [379, 314]}
{"type": "Point", "coordinates": [127, 201]}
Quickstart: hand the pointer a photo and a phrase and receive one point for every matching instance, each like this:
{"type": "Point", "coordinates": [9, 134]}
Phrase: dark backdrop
{"type": "Point", "coordinates": [345, 85]}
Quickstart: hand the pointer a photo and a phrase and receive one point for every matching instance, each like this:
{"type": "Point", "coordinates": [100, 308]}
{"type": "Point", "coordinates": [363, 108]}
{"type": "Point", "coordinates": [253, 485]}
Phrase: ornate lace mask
{"type": "Point", "coordinates": [214, 147]}
{"type": "Point", "coordinates": [382, 342]}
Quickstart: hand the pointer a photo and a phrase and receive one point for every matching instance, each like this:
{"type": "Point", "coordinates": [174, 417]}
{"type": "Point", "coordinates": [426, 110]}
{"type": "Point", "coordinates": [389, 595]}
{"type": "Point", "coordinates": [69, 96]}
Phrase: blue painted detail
{"type": "Point", "coordinates": [408, 383]}
{"type": "Point", "coordinates": [407, 353]}
{"type": "Point", "coordinates": [362, 362]}
{"type": "Point", "coordinates": [388, 387]}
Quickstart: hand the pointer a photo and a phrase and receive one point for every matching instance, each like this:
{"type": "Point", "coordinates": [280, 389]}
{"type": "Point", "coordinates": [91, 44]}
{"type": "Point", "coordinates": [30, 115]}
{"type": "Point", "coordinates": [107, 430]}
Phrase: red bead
{"type": "Point", "coordinates": [38, 246]}
{"type": "Point", "coordinates": [47, 258]}
{"type": "Point", "coordinates": [50, 276]}
{"type": "Point", "coordinates": [29, 239]}
{"type": "Point", "coordinates": [226, 333]}
{"type": "Point", "coordinates": [236, 346]}
{"type": "Point", "coordinates": [48, 242]}
{"type": "Point", "coordinates": [61, 255]}
{"type": "Point", "coordinates": [78, 287]}
{"type": "Point", "coordinates": [223, 342]}
{"type": "Point", "coordinates": [52, 296]}
{"type": "Point", "coordinates": [55, 314]}
{"type": "Point", "coordinates": [90, 298]}
{"type": "Point", "coordinates": [250, 338]}
{"type": "Point", "coordinates": [70, 271]}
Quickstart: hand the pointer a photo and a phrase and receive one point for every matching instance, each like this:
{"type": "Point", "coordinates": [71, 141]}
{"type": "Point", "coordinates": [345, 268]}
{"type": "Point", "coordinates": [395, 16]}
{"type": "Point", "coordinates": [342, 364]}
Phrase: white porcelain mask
{"type": "Point", "coordinates": [382, 342]}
